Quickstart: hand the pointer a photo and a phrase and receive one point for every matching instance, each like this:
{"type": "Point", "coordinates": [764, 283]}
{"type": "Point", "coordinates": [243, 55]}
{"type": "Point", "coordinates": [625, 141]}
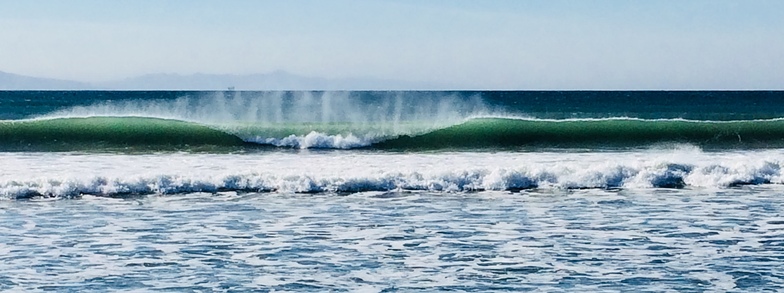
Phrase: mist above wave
{"type": "Point", "coordinates": [377, 113]}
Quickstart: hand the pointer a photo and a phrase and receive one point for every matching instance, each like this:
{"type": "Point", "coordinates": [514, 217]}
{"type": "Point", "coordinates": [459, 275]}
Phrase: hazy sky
{"type": "Point", "coordinates": [502, 44]}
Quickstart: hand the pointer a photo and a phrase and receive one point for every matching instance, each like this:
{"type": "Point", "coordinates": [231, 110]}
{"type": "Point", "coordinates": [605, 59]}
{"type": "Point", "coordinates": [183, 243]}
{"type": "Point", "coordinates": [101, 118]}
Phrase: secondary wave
{"type": "Point", "coordinates": [562, 175]}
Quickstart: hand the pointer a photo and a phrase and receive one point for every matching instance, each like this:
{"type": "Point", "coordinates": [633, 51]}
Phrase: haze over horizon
{"type": "Point", "coordinates": [503, 44]}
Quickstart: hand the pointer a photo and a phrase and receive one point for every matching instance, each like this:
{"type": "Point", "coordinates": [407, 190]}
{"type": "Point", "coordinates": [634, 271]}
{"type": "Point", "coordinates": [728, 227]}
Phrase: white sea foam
{"type": "Point", "coordinates": [317, 140]}
{"type": "Point", "coordinates": [580, 240]}
{"type": "Point", "coordinates": [69, 175]}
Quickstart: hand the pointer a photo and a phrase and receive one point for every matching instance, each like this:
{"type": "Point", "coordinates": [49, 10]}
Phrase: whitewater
{"type": "Point", "coordinates": [51, 175]}
{"type": "Point", "coordinates": [483, 191]}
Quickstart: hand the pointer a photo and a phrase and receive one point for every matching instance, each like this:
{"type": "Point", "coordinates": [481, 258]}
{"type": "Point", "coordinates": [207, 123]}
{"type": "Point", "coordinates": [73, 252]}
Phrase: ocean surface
{"type": "Point", "coordinates": [403, 191]}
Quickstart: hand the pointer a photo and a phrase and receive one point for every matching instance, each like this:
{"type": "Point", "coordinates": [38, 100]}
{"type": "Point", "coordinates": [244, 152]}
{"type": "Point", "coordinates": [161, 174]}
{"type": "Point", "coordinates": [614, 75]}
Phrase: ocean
{"type": "Point", "coordinates": [391, 191]}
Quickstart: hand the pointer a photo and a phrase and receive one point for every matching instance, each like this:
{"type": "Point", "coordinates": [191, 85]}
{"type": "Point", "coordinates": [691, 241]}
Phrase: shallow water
{"type": "Point", "coordinates": [540, 240]}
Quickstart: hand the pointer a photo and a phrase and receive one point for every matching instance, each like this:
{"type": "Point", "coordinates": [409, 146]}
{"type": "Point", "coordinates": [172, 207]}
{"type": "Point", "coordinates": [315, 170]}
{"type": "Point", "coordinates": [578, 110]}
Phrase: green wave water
{"type": "Point", "coordinates": [140, 133]}
{"type": "Point", "coordinates": [611, 132]}
{"type": "Point", "coordinates": [109, 133]}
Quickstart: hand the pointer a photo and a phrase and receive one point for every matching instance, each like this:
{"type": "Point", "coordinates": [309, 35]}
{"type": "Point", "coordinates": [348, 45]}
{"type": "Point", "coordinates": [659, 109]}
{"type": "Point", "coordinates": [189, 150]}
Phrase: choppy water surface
{"type": "Point", "coordinates": [539, 240]}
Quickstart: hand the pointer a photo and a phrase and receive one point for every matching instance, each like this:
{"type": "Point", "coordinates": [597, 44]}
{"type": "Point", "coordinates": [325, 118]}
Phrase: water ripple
{"type": "Point", "coordinates": [573, 240]}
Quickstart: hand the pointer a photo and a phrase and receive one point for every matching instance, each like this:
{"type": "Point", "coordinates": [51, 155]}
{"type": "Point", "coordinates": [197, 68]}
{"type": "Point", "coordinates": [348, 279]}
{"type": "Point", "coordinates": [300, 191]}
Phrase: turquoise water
{"type": "Point", "coordinates": [391, 191]}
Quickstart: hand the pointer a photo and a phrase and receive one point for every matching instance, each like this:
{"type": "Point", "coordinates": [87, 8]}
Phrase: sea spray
{"type": "Point", "coordinates": [364, 114]}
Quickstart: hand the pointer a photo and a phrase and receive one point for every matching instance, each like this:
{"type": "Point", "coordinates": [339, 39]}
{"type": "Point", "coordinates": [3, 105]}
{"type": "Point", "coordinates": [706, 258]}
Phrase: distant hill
{"type": "Point", "coordinates": [278, 80]}
{"type": "Point", "coordinates": [10, 81]}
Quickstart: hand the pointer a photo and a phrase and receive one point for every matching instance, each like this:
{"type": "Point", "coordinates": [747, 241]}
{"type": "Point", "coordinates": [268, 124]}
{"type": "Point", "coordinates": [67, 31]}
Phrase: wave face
{"type": "Point", "coordinates": [584, 133]}
{"type": "Point", "coordinates": [109, 132]}
{"type": "Point", "coordinates": [129, 175]}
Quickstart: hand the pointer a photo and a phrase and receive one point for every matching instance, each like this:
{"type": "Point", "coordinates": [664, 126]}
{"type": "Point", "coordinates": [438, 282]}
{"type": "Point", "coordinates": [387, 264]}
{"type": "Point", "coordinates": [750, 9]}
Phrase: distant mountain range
{"type": "Point", "coordinates": [9, 81]}
{"type": "Point", "coordinates": [278, 80]}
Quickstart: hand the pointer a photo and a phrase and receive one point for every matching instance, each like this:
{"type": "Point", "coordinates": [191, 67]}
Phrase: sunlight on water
{"type": "Point", "coordinates": [590, 240]}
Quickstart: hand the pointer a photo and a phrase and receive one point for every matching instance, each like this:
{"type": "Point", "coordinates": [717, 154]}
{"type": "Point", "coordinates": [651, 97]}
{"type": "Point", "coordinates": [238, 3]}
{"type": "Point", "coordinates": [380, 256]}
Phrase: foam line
{"type": "Point", "coordinates": [554, 176]}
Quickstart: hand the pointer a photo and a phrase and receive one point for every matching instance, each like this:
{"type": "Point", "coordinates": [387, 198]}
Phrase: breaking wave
{"type": "Point", "coordinates": [607, 176]}
{"type": "Point", "coordinates": [86, 133]}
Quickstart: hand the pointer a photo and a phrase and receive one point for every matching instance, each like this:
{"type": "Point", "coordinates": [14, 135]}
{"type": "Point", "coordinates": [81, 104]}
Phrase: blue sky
{"type": "Point", "coordinates": [502, 44]}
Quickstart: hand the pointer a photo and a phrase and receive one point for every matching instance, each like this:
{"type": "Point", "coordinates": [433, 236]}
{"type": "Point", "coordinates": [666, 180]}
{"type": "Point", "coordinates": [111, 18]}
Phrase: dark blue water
{"type": "Point", "coordinates": [696, 105]}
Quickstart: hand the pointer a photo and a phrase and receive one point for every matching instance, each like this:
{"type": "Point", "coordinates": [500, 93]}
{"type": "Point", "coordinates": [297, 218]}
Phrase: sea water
{"type": "Point", "coordinates": [391, 191]}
